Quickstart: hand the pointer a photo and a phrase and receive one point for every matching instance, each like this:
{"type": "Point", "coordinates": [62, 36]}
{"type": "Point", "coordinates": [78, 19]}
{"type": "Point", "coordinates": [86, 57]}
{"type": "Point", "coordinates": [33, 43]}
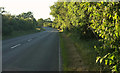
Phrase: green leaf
{"type": "Point", "coordinates": [115, 15]}
{"type": "Point", "coordinates": [110, 62]}
{"type": "Point", "coordinates": [106, 55]}
{"type": "Point", "coordinates": [115, 68]}
{"type": "Point", "coordinates": [101, 60]}
{"type": "Point", "coordinates": [112, 57]}
{"type": "Point", "coordinates": [95, 47]}
{"type": "Point", "coordinates": [98, 59]}
{"type": "Point", "coordinates": [106, 62]}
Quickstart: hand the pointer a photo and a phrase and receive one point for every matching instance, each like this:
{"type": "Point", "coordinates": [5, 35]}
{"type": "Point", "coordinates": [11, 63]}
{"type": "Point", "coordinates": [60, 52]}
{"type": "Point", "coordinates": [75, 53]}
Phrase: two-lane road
{"type": "Point", "coordinates": [34, 52]}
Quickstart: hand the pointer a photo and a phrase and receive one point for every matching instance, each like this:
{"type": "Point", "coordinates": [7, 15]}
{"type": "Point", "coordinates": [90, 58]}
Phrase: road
{"type": "Point", "coordinates": [33, 52]}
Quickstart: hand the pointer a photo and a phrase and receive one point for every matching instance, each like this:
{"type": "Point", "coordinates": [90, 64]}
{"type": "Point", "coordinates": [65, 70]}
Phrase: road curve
{"type": "Point", "coordinates": [33, 52]}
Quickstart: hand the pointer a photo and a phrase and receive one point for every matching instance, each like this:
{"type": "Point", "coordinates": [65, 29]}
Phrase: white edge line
{"type": "Point", "coordinates": [15, 46]}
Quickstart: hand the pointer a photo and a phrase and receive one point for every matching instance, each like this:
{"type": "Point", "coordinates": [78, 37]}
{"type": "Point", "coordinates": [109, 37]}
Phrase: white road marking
{"type": "Point", "coordinates": [29, 40]}
{"type": "Point", "coordinates": [59, 57]}
{"type": "Point", "coordinates": [15, 46]}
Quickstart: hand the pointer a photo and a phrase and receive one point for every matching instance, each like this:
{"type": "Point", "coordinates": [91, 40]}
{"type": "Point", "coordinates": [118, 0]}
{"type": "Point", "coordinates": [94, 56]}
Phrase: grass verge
{"type": "Point", "coordinates": [64, 52]}
{"type": "Point", "coordinates": [21, 33]}
{"type": "Point", "coordinates": [17, 33]}
{"type": "Point", "coordinates": [85, 50]}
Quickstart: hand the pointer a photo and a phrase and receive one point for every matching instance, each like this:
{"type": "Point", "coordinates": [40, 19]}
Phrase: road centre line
{"type": "Point", "coordinates": [15, 46]}
{"type": "Point", "coordinates": [29, 40]}
{"type": "Point", "coordinates": [19, 44]}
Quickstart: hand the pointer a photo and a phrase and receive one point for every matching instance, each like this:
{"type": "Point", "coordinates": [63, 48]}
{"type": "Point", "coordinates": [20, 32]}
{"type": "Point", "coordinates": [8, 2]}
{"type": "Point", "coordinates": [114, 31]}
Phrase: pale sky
{"type": "Point", "coordinates": [40, 8]}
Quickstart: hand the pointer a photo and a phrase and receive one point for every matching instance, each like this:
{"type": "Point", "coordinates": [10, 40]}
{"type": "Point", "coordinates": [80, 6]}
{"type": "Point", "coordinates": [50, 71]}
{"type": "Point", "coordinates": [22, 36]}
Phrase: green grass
{"type": "Point", "coordinates": [88, 53]}
{"type": "Point", "coordinates": [43, 29]}
{"type": "Point", "coordinates": [18, 33]}
{"type": "Point", "coordinates": [86, 50]}
{"type": "Point", "coordinates": [21, 33]}
{"type": "Point", "coordinates": [65, 60]}
{"type": "Point", "coordinates": [84, 47]}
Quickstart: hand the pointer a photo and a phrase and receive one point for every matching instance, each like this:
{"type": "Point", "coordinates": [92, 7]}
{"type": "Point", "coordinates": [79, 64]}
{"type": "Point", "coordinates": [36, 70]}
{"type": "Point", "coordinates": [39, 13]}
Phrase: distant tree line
{"type": "Point", "coordinates": [21, 22]}
{"type": "Point", "coordinates": [44, 22]}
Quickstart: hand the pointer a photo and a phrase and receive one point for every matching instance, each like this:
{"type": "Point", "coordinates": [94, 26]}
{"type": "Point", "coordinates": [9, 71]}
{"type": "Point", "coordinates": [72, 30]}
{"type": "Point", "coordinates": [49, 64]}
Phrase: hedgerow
{"type": "Point", "coordinates": [89, 20]}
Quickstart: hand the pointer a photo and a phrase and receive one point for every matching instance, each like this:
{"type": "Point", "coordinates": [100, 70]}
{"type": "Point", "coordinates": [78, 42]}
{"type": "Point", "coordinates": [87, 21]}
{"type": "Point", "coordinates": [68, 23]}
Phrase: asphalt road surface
{"type": "Point", "coordinates": [33, 52]}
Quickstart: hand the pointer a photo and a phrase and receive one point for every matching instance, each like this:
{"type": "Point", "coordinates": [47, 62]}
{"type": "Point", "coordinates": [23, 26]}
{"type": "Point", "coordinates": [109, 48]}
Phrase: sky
{"type": "Point", "coordinates": [40, 8]}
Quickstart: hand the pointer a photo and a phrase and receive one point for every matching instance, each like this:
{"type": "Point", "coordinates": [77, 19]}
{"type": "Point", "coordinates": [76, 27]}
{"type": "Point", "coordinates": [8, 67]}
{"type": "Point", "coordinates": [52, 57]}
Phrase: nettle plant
{"type": "Point", "coordinates": [105, 19]}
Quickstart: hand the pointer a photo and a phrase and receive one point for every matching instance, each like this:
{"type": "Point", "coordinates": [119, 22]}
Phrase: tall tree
{"type": "Point", "coordinates": [40, 22]}
{"type": "Point", "coordinates": [26, 15]}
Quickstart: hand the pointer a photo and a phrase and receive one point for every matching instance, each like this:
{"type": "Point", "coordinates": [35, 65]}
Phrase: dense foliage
{"type": "Point", "coordinates": [21, 22]}
{"type": "Point", "coordinates": [93, 19]}
{"type": "Point", "coordinates": [45, 23]}
{"type": "Point", "coordinates": [105, 19]}
{"type": "Point", "coordinates": [70, 16]}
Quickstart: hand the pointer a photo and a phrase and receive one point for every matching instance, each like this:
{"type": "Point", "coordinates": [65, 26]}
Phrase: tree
{"type": "Point", "coordinates": [86, 18]}
{"type": "Point", "coordinates": [21, 22]}
{"type": "Point", "coordinates": [48, 19]}
{"type": "Point", "coordinates": [2, 10]}
{"type": "Point", "coordinates": [40, 22]}
{"type": "Point", "coordinates": [26, 15]}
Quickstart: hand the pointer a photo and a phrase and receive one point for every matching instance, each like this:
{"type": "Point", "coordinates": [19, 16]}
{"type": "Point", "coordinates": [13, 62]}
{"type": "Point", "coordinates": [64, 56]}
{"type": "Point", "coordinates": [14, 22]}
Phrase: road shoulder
{"type": "Point", "coordinates": [70, 57]}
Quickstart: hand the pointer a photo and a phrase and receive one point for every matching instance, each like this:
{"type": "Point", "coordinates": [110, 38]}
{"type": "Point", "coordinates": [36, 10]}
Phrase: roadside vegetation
{"type": "Point", "coordinates": [94, 28]}
{"type": "Point", "coordinates": [90, 31]}
{"type": "Point", "coordinates": [83, 48]}
{"type": "Point", "coordinates": [22, 24]}
{"type": "Point", "coordinates": [64, 53]}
